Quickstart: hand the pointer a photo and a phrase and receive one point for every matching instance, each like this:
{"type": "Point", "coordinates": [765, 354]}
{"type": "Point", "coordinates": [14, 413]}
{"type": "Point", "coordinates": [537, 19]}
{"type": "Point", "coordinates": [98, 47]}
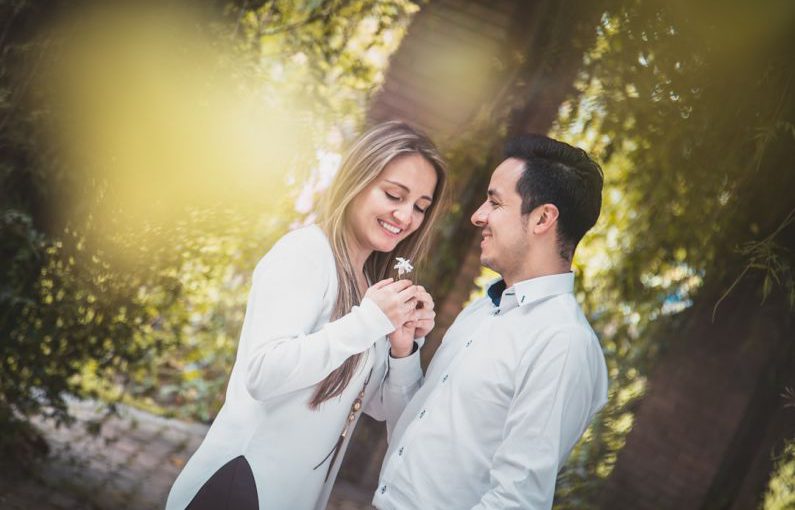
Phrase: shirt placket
{"type": "Point", "coordinates": [398, 456]}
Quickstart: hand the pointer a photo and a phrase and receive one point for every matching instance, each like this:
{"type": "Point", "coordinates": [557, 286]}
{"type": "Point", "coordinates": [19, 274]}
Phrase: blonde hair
{"type": "Point", "coordinates": [364, 161]}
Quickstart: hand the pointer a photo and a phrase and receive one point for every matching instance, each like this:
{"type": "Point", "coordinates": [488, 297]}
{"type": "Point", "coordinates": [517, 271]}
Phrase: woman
{"type": "Point", "coordinates": [314, 351]}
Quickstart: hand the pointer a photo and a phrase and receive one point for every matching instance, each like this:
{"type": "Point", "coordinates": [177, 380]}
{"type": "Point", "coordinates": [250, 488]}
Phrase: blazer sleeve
{"type": "Point", "coordinates": [282, 352]}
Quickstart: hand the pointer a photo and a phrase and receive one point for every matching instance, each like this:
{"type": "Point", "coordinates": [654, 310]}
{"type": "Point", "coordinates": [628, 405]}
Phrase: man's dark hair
{"type": "Point", "coordinates": [559, 174]}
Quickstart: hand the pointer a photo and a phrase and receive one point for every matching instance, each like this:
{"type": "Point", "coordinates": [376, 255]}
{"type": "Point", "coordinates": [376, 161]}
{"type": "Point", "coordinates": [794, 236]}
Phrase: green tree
{"type": "Point", "coordinates": [690, 109]}
{"type": "Point", "coordinates": [150, 309]}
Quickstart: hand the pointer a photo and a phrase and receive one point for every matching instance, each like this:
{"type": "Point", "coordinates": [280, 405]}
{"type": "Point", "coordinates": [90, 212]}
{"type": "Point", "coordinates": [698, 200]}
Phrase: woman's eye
{"type": "Point", "coordinates": [419, 209]}
{"type": "Point", "coordinates": [392, 197]}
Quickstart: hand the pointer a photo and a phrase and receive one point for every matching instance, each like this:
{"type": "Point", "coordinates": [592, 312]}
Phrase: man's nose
{"type": "Point", "coordinates": [479, 217]}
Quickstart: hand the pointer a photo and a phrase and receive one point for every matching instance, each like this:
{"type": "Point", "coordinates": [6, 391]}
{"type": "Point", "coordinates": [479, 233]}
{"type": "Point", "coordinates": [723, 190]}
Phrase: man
{"type": "Point", "coordinates": [520, 373]}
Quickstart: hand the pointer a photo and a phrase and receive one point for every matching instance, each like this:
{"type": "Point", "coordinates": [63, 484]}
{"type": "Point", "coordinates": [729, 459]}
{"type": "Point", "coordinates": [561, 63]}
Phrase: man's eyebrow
{"type": "Point", "coordinates": [426, 197]}
{"type": "Point", "coordinates": [493, 193]}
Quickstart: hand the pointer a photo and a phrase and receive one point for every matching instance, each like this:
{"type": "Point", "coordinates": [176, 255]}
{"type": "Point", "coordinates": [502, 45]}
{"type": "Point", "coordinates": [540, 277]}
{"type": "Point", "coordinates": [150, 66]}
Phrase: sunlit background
{"type": "Point", "coordinates": [149, 156]}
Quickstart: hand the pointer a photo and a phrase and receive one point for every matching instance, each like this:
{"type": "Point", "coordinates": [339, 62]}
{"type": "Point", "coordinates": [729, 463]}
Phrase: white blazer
{"type": "Point", "coordinates": [286, 347]}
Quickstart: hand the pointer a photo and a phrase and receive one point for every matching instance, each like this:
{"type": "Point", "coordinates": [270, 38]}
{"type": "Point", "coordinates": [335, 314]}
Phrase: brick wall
{"type": "Point", "coordinates": [712, 415]}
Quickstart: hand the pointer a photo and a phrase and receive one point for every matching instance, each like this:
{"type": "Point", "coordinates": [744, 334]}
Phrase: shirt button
{"type": "Point", "coordinates": [400, 452]}
{"type": "Point", "coordinates": [469, 342]}
{"type": "Point", "coordinates": [383, 489]}
{"type": "Point", "coordinates": [444, 378]}
{"type": "Point", "coordinates": [422, 413]}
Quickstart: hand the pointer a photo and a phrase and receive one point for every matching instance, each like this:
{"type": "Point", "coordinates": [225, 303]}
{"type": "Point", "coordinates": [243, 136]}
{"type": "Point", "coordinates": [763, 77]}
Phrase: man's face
{"type": "Point", "coordinates": [506, 240]}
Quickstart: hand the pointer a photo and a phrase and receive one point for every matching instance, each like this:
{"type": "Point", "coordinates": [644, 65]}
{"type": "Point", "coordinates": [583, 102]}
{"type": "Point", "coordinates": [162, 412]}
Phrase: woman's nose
{"type": "Point", "coordinates": [402, 215]}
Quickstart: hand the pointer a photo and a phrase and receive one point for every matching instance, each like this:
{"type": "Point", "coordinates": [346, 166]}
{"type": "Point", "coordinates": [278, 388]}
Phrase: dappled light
{"type": "Point", "coordinates": [151, 154]}
{"type": "Point", "coordinates": [156, 118]}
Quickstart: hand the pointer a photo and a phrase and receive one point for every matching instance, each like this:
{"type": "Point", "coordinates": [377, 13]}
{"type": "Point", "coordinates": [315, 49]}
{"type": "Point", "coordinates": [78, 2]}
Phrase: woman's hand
{"type": "Point", "coordinates": [397, 299]}
{"type": "Point", "coordinates": [421, 323]}
{"type": "Point", "coordinates": [425, 317]}
{"type": "Point", "coordinates": [402, 340]}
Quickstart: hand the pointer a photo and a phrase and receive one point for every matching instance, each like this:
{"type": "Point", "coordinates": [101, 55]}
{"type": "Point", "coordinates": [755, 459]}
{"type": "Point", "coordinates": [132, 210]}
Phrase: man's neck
{"type": "Point", "coordinates": [537, 270]}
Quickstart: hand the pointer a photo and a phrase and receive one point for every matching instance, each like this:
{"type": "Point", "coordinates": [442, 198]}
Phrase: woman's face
{"type": "Point", "coordinates": [393, 206]}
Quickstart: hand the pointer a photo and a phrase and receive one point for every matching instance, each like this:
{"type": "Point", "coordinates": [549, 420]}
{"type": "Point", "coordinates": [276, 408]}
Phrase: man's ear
{"type": "Point", "coordinates": [546, 218]}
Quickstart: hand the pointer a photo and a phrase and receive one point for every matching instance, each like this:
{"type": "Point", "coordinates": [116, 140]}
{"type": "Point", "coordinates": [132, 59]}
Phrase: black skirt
{"type": "Point", "coordinates": [231, 487]}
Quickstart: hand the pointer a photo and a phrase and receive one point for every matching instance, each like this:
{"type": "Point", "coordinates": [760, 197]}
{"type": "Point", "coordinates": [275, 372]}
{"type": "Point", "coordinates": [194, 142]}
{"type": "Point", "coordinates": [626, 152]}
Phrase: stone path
{"type": "Point", "coordinates": [129, 466]}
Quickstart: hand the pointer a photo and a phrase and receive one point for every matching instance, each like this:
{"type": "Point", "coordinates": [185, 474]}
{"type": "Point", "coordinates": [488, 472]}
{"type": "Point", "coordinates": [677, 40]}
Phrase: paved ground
{"type": "Point", "coordinates": [129, 466]}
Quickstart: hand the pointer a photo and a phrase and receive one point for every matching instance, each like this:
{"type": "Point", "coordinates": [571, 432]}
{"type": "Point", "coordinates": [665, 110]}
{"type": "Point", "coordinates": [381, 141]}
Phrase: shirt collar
{"type": "Point", "coordinates": [495, 290]}
{"type": "Point", "coordinates": [532, 290]}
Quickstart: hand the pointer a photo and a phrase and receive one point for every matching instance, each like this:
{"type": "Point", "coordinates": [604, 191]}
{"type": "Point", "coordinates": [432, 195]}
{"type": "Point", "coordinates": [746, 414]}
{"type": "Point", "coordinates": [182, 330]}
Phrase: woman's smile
{"type": "Point", "coordinates": [393, 230]}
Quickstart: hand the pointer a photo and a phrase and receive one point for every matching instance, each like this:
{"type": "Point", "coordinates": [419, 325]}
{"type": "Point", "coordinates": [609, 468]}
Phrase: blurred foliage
{"type": "Point", "coordinates": [688, 107]}
{"type": "Point", "coordinates": [780, 494]}
{"type": "Point", "coordinates": [690, 111]}
{"type": "Point", "coordinates": [100, 302]}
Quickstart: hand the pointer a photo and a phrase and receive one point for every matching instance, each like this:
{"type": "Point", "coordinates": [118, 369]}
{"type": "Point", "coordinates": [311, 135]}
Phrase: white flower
{"type": "Point", "coordinates": [403, 266]}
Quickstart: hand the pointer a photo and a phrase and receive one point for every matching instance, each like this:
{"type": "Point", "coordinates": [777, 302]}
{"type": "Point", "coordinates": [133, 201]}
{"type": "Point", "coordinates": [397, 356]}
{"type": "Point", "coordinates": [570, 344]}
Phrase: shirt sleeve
{"type": "Point", "coordinates": [282, 353]}
{"type": "Point", "coordinates": [549, 412]}
{"type": "Point", "coordinates": [401, 381]}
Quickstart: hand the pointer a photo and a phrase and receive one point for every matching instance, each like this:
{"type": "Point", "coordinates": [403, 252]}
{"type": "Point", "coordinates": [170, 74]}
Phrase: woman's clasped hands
{"type": "Point", "coordinates": [410, 309]}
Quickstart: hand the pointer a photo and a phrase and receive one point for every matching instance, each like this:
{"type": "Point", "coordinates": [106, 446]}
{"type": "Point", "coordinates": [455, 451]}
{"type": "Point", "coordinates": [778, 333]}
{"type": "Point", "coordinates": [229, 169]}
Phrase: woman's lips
{"type": "Point", "coordinates": [392, 230]}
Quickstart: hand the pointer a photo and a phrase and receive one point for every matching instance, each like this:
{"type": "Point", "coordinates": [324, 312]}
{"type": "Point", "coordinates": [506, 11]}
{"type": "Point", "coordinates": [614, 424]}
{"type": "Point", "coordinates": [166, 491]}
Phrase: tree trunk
{"type": "Point", "coordinates": [468, 72]}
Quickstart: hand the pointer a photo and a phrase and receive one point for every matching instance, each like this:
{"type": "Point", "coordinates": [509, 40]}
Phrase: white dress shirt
{"type": "Point", "coordinates": [507, 395]}
{"type": "Point", "coordinates": [287, 346]}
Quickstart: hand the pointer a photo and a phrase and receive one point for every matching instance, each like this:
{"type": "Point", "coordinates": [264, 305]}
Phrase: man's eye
{"type": "Point", "coordinates": [493, 203]}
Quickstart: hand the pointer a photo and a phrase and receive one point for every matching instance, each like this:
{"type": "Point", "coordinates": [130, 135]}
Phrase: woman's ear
{"type": "Point", "coordinates": [547, 218]}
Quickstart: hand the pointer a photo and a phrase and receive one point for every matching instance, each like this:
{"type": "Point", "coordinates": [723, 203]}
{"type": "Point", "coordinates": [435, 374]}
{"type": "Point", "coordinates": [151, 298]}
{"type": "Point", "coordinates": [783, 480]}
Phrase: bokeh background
{"type": "Point", "coordinates": [151, 153]}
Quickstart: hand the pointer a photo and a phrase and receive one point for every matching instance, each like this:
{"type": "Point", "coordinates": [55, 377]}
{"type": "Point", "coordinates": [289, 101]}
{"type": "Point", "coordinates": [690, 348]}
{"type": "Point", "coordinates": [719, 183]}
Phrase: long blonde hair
{"type": "Point", "coordinates": [364, 161]}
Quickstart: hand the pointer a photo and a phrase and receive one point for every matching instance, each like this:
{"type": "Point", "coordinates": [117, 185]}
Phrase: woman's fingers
{"type": "Point", "coordinates": [424, 300]}
{"type": "Point", "coordinates": [402, 301]}
{"type": "Point", "coordinates": [423, 327]}
{"type": "Point", "coordinates": [412, 316]}
{"type": "Point", "coordinates": [424, 315]}
{"type": "Point", "coordinates": [408, 294]}
{"type": "Point", "coordinates": [424, 295]}
{"type": "Point", "coordinates": [382, 283]}
{"type": "Point", "coordinates": [407, 310]}
{"type": "Point", "coordinates": [425, 324]}
{"type": "Point", "coordinates": [400, 285]}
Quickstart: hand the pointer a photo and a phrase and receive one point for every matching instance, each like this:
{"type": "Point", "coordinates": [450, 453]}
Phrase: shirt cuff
{"type": "Point", "coordinates": [405, 371]}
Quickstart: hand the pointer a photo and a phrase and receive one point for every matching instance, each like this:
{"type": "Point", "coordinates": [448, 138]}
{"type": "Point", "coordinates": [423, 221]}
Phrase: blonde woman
{"type": "Point", "coordinates": [327, 334]}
